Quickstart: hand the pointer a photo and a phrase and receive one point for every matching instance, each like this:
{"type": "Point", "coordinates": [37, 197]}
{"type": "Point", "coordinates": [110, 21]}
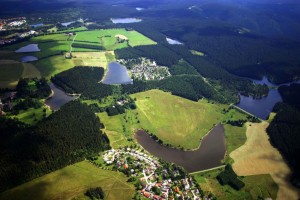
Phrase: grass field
{"type": "Point", "coordinates": [257, 185]}
{"type": "Point", "coordinates": [107, 38]}
{"type": "Point", "coordinates": [93, 58]}
{"type": "Point", "coordinates": [175, 120]}
{"type": "Point", "coordinates": [71, 183]}
{"type": "Point", "coordinates": [48, 44]}
{"type": "Point", "coordinates": [29, 116]}
{"type": "Point", "coordinates": [197, 53]}
{"type": "Point", "coordinates": [264, 160]}
{"type": "Point", "coordinates": [30, 71]}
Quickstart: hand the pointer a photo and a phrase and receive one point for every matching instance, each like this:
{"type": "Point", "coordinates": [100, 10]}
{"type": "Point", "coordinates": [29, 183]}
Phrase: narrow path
{"type": "Point", "coordinates": [71, 48]}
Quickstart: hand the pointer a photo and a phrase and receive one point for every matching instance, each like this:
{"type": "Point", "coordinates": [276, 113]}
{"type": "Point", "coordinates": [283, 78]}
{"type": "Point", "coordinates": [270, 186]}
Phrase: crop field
{"type": "Point", "coordinates": [264, 160]}
{"type": "Point", "coordinates": [108, 38]}
{"type": "Point", "coordinates": [71, 183]}
{"type": "Point", "coordinates": [256, 185]}
{"type": "Point", "coordinates": [175, 120]}
{"type": "Point", "coordinates": [92, 58]}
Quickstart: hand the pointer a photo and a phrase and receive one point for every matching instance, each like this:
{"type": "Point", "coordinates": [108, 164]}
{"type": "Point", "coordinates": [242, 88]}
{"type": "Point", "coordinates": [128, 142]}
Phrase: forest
{"type": "Point", "coordinates": [84, 81]}
{"type": "Point", "coordinates": [284, 129]}
{"type": "Point", "coordinates": [62, 139]}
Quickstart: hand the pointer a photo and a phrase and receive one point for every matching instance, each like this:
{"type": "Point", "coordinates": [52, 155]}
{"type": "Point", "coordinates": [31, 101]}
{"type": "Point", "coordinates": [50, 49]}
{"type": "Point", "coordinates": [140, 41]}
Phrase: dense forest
{"type": "Point", "coordinates": [84, 81]}
{"type": "Point", "coordinates": [284, 129]}
{"type": "Point", "coordinates": [63, 138]}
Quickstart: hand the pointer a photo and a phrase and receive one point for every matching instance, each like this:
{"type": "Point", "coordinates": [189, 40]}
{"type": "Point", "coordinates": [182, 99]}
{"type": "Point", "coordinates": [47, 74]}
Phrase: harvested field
{"type": "Point", "coordinates": [258, 156]}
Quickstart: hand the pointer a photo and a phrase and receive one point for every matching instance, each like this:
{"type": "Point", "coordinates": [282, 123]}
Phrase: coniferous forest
{"type": "Point", "coordinates": [64, 138]}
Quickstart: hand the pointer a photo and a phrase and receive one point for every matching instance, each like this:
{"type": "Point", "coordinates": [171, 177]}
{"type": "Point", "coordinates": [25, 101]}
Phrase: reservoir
{"type": "Point", "coordinates": [208, 155]}
{"type": "Point", "coordinates": [117, 74]}
{"type": "Point", "coordinates": [264, 106]}
{"type": "Point", "coordinates": [172, 41]}
{"type": "Point", "coordinates": [58, 99]}
{"type": "Point", "coordinates": [29, 58]}
{"type": "Point", "coordinates": [29, 48]}
{"type": "Point", "coordinates": [125, 20]}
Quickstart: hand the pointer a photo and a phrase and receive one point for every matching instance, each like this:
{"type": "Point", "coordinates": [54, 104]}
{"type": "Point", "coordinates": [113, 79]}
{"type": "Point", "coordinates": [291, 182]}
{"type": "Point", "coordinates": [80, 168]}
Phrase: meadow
{"type": "Point", "coordinates": [264, 160]}
{"type": "Point", "coordinates": [107, 38]}
{"type": "Point", "coordinates": [256, 185]}
{"type": "Point", "coordinates": [175, 120]}
{"type": "Point", "coordinates": [72, 182]}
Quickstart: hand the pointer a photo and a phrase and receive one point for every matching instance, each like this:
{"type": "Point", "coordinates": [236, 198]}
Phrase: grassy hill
{"type": "Point", "coordinates": [72, 182]}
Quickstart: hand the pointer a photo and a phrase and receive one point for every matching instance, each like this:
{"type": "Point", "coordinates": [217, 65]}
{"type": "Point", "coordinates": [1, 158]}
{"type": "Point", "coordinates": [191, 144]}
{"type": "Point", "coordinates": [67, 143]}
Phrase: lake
{"type": "Point", "coordinates": [125, 20]}
{"type": "Point", "coordinates": [29, 58]}
{"type": "Point", "coordinates": [208, 155]}
{"type": "Point", "coordinates": [67, 23]}
{"type": "Point", "coordinates": [37, 25]}
{"type": "Point", "coordinates": [140, 9]}
{"type": "Point", "coordinates": [58, 99]}
{"type": "Point", "coordinates": [117, 74]}
{"type": "Point", "coordinates": [264, 106]}
{"type": "Point", "coordinates": [172, 41]}
{"type": "Point", "coordinates": [28, 49]}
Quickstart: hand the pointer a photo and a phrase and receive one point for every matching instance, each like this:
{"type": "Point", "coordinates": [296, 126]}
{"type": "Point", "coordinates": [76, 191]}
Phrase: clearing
{"type": "Point", "coordinates": [264, 160]}
{"type": "Point", "coordinates": [72, 182]}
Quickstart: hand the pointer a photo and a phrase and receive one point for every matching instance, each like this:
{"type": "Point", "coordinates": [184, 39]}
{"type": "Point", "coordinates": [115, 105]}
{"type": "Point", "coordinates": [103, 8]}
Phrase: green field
{"type": "Point", "coordinates": [48, 44]}
{"type": "Point", "coordinates": [71, 183]}
{"type": "Point", "coordinates": [107, 38]}
{"type": "Point", "coordinates": [258, 185]}
{"type": "Point", "coordinates": [32, 116]}
{"type": "Point", "coordinates": [175, 120]}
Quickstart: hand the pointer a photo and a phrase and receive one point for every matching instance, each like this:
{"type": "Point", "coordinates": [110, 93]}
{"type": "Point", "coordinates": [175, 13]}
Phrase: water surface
{"type": "Point", "coordinates": [208, 155]}
{"type": "Point", "coordinates": [59, 98]}
{"type": "Point", "coordinates": [172, 41]}
{"type": "Point", "coordinates": [117, 74]}
{"type": "Point", "coordinates": [29, 58]}
{"type": "Point", "coordinates": [125, 20]}
{"type": "Point", "coordinates": [264, 106]}
{"type": "Point", "coordinates": [28, 49]}
{"type": "Point", "coordinates": [37, 25]}
{"type": "Point", "coordinates": [67, 23]}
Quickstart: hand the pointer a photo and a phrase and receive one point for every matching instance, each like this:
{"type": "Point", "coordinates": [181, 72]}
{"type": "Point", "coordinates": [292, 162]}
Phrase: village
{"type": "Point", "coordinates": [154, 179]}
{"type": "Point", "coordinates": [145, 69]}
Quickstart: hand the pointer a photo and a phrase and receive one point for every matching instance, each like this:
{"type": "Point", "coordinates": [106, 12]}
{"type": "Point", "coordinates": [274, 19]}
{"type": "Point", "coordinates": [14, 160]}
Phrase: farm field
{"type": "Point", "coordinates": [256, 185]}
{"type": "Point", "coordinates": [175, 120]}
{"type": "Point", "coordinates": [72, 182]}
{"type": "Point", "coordinates": [108, 38]}
{"type": "Point", "coordinates": [265, 159]}
{"type": "Point", "coordinates": [93, 58]}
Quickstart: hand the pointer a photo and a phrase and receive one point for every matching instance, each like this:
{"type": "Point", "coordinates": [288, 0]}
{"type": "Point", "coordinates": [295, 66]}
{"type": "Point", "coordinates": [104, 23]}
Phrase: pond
{"type": "Point", "coordinates": [125, 20]}
{"type": "Point", "coordinates": [208, 155]}
{"type": "Point", "coordinates": [58, 99]}
{"type": "Point", "coordinates": [67, 23]}
{"type": "Point", "coordinates": [264, 106]}
{"type": "Point", "coordinates": [117, 74]}
{"type": "Point", "coordinates": [37, 25]}
{"type": "Point", "coordinates": [140, 9]}
{"type": "Point", "coordinates": [28, 49]}
{"type": "Point", "coordinates": [172, 41]}
{"type": "Point", "coordinates": [29, 58]}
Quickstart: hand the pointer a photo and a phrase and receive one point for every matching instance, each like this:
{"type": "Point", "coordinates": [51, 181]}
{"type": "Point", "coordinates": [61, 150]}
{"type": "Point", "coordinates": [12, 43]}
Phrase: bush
{"type": "Point", "coordinates": [95, 193]}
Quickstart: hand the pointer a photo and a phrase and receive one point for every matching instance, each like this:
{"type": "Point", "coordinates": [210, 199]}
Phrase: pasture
{"type": "Point", "coordinates": [264, 160]}
{"type": "Point", "coordinates": [72, 182]}
{"type": "Point", "coordinates": [32, 115]}
{"type": "Point", "coordinates": [108, 38]}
